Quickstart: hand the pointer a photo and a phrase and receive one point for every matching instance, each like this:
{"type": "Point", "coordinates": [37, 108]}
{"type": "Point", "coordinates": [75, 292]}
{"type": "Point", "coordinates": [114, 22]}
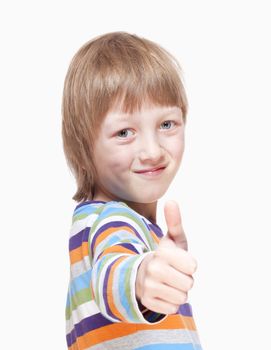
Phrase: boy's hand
{"type": "Point", "coordinates": [165, 276]}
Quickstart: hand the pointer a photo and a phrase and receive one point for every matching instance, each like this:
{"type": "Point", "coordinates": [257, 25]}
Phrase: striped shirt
{"type": "Point", "coordinates": [108, 241]}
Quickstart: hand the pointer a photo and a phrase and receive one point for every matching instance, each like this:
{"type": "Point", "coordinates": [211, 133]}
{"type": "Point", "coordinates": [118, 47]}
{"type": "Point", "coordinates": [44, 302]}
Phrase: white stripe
{"type": "Point", "coordinates": [87, 309]}
{"type": "Point", "coordinates": [78, 268]}
{"type": "Point", "coordinates": [116, 296]}
{"type": "Point", "coordinates": [123, 236]}
{"type": "Point", "coordinates": [100, 286]}
{"type": "Point", "coordinates": [80, 225]}
{"type": "Point", "coordinates": [126, 220]}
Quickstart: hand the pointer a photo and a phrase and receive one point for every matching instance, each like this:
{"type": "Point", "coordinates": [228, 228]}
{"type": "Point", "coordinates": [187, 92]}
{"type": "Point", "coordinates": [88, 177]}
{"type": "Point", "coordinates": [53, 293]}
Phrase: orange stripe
{"type": "Point", "coordinates": [75, 255]}
{"type": "Point", "coordinates": [104, 333]}
{"type": "Point", "coordinates": [157, 240]}
{"type": "Point", "coordinates": [82, 251]}
{"type": "Point", "coordinates": [116, 330]}
{"type": "Point", "coordinates": [74, 346]}
{"type": "Point", "coordinates": [110, 230]}
{"type": "Point", "coordinates": [79, 253]}
{"type": "Point", "coordinates": [85, 249]}
{"type": "Point", "coordinates": [117, 249]}
{"type": "Point", "coordinates": [110, 300]}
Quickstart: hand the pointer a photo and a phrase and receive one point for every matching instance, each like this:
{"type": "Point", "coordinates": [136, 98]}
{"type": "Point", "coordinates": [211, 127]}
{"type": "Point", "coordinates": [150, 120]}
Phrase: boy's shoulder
{"type": "Point", "coordinates": [116, 218]}
{"type": "Point", "coordinates": [96, 213]}
{"type": "Point", "coordinates": [102, 210]}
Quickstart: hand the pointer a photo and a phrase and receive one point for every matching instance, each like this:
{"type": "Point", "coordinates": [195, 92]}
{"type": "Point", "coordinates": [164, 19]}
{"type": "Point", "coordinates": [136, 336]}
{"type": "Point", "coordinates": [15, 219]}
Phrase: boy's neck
{"type": "Point", "coordinates": [148, 210]}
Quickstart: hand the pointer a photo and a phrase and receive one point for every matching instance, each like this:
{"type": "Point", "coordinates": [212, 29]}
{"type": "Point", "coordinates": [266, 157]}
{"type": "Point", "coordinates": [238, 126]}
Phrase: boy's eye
{"type": "Point", "coordinates": [168, 123]}
{"type": "Point", "coordinates": [123, 133]}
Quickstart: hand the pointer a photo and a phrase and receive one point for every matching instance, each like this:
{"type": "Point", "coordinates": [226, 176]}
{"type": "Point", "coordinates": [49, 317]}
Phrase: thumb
{"type": "Point", "coordinates": [174, 224]}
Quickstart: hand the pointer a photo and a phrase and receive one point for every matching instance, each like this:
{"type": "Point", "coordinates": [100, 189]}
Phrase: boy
{"type": "Point", "coordinates": [124, 111]}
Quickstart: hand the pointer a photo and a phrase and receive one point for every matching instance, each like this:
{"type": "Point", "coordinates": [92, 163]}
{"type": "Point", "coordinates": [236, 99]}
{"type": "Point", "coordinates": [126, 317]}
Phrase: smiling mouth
{"type": "Point", "coordinates": [150, 172]}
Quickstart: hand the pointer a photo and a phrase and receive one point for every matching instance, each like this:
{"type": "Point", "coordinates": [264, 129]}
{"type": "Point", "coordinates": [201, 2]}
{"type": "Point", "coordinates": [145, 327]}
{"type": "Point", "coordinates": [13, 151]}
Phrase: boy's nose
{"type": "Point", "coordinates": [150, 150]}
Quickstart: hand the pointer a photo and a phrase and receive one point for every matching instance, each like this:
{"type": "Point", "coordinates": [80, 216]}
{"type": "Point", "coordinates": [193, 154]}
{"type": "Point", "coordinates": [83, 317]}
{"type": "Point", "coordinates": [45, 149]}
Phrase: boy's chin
{"type": "Point", "coordinates": [146, 199]}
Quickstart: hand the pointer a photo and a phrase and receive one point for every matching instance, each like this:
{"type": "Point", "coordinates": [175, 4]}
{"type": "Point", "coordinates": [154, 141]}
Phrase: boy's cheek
{"type": "Point", "coordinates": [178, 146]}
{"type": "Point", "coordinates": [122, 157]}
{"type": "Point", "coordinates": [117, 164]}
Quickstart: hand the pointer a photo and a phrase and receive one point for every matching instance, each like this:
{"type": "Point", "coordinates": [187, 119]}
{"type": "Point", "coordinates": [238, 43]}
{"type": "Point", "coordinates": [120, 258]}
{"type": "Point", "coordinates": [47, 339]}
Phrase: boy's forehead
{"type": "Point", "coordinates": [157, 111]}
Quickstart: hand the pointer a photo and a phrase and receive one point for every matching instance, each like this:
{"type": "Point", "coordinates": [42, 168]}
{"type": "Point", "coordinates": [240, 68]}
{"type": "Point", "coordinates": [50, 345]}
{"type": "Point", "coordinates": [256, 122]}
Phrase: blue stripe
{"type": "Point", "coordinates": [125, 269]}
{"type": "Point", "coordinates": [87, 203]}
{"type": "Point", "coordinates": [120, 233]}
{"type": "Point", "coordinates": [86, 209]}
{"type": "Point", "coordinates": [114, 207]}
{"type": "Point", "coordinates": [98, 264]}
{"type": "Point", "coordinates": [80, 282]}
{"type": "Point", "coordinates": [68, 299]}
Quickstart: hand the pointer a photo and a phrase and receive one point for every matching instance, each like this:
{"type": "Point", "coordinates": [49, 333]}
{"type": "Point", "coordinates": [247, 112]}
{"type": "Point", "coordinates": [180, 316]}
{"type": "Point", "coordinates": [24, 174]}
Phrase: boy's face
{"type": "Point", "coordinates": [129, 144]}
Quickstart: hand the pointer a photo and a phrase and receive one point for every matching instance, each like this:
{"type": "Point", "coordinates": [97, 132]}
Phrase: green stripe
{"type": "Point", "coordinates": [102, 263]}
{"type": "Point", "coordinates": [79, 298]}
{"type": "Point", "coordinates": [142, 226]}
{"type": "Point", "coordinates": [127, 288]}
{"type": "Point", "coordinates": [132, 216]}
{"type": "Point", "coordinates": [79, 217]}
{"type": "Point", "coordinates": [93, 227]}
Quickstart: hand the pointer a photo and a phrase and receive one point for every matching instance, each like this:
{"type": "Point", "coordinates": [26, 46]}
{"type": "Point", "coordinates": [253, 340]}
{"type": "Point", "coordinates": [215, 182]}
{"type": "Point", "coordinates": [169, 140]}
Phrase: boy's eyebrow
{"type": "Point", "coordinates": [171, 111]}
{"type": "Point", "coordinates": [122, 116]}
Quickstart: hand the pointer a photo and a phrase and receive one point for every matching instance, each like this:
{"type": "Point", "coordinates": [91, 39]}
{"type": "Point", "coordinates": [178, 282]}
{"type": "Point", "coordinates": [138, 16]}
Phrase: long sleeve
{"type": "Point", "coordinates": [119, 240]}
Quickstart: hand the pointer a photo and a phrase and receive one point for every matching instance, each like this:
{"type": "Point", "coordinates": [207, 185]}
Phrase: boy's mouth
{"type": "Point", "coordinates": [153, 170]}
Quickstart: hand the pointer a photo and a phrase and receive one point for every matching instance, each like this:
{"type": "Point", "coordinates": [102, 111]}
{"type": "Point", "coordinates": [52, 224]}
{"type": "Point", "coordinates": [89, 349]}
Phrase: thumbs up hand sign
{"type": "Point", "coordinates": [164, 277]}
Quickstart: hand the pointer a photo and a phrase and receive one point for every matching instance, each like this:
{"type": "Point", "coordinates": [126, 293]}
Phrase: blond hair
{"type": "Point", "coordinates": [114, 69]}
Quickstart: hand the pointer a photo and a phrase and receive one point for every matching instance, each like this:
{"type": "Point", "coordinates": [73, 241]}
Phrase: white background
{"type": "Point", "coordinates": [223, 186]}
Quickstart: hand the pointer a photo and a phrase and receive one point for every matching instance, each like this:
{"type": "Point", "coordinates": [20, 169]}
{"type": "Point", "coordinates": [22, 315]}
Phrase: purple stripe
{"type": "Point", "coordinates": [185, 310]}
{"type": "Point", "coordinates": [157, 230]}
{"type": "Point", "coordinates": [129, 246]}
{"type": "Point", "coordinates": [154, 227]}
{"type": "Point", "coordinates": [76, 240]}
{"type": "Point", "coordinates": [113, 224]}
{"type": "Point", "coordinates": [97, 321]}
{"type": "Point", "coordinates": [126, 245]}
{"type": "Point", "coordinates": [105, 293]}
{"type": "Point", "coordinates": [86, 234]}
{"type": "Point", "coordinates": [71, 337]}
{"type": "Point", "coordinates": [87, 324]}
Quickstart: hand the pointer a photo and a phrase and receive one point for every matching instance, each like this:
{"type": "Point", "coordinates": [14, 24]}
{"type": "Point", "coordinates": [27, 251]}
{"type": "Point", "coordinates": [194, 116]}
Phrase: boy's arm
{"type": "Point", "coordinates": [117, 246]}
